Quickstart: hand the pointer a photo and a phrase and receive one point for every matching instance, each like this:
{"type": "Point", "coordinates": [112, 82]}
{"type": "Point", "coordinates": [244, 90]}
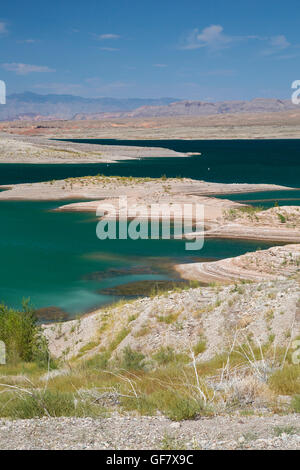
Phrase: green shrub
{"type": "Point", "coordinates": [296, 403]}
{"type": "Point", "coordinates": [279, 430]}
{"type": "Point", "coordinates": [167, 355]}
{"type": "Point", "coordinates": [200, 347]}
{"type": "Point", "coordinates": [168, 319]}
{"type": "Point", "coordinates": [281, 218]}
{"type": "Point", "coordinates": [286, 381]}
{"type": "Point", "coordinates": [170, 403]}
{"type": "Point", "coordinates": [176, 406]}
{"type": "Point", "coordinates": [100, 361]}
{"type": "Point", "coordinates": [48, 403]}
{"type": "Point", "coordinates": [132, 360]}
{"type": "Point", "coordinates": [22, 335]}
{"type": "Point", "coordinates": [118, 339]}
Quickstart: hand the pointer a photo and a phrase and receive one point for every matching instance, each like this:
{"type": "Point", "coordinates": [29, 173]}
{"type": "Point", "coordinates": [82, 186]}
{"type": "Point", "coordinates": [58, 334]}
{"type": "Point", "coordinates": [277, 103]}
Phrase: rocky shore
{"type": "Point", "coordinates": [275, 263]}
{"type": "Point", "coordinates": [268, 306]}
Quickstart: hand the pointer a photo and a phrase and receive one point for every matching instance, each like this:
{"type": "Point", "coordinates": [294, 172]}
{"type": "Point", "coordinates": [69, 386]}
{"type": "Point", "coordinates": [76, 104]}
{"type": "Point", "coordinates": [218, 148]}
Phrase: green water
{"type": "Point", "coordinates": [47, 255]}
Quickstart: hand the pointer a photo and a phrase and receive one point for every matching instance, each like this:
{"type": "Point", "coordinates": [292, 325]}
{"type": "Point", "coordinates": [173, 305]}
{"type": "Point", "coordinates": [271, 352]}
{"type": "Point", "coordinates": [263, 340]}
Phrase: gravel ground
{"type": "Point", "coordinates": [127, 433]}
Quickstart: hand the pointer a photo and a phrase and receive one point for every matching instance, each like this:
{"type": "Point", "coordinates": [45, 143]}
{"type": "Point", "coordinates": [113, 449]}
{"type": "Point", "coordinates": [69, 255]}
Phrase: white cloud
{"type": "Point", "coordinates": [3, 27]}
{"type": "Point", "coordinates": [276, 44]}
{"type": "Point", "coordinates": [211, 37]}
{"type": "Point", "coordinates": [214, 39]}
{"type": "Point", "coordinates": [24, 69]}
{"type": "Point", "coordinates": [279, 42]}
{"type": "Point", "coordinates": [27, 41]}
{"type": "Point", "coordinates": [109, 49]}
{"type": "Point", "coordinates": [161, 66]}
{"type": "Point", "coordinates": [107, 36]}
{"type": "Point", "coordinates": [287, 56]}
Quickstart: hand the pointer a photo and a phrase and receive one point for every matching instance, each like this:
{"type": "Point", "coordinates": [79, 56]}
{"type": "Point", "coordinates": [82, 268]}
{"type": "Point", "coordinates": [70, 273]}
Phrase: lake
{"type": "Point", "coordinates": [56, 259]}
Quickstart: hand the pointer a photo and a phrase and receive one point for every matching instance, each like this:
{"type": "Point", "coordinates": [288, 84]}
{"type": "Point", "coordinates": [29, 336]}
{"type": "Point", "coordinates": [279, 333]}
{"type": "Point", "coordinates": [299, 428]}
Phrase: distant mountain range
{"type": "Point", "coordinates": [32, 106]}
{"type": "Point", "coordinates": [203, 108]}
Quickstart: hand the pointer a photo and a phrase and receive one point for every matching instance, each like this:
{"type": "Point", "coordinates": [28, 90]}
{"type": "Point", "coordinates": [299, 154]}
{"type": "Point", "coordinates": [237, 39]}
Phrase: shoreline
{"type": "Point", "coordinates": [42, 150]}
{"type": "Point", "coordinates": [255, 267]}
{"type": "Point", "coordinates": [48, 142]}
{"type": "Point", "coordinates": [274, 265]}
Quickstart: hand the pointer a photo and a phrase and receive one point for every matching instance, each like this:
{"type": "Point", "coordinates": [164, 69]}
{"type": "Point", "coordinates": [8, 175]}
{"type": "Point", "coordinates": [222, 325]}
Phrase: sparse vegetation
{"type": "Point", "coordinates": [33, 404]}
{"type": "Point", "coordinates": [286, 380]}
{"type": "Point", "coordinates": [200, 346]}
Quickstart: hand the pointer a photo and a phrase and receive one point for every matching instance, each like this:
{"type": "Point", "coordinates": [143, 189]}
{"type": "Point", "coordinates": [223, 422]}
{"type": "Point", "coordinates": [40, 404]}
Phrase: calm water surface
{"type": "Point", "coordinates": [228, 161]}
{"type": "Point", "coordinates": [51, 256]}
{"type": "Point", "coordinates": [47, 255]}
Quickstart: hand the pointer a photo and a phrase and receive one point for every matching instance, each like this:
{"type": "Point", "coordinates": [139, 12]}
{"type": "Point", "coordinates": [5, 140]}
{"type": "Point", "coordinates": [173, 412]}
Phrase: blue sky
{"type": "Point", "coordinates": [194, 49]}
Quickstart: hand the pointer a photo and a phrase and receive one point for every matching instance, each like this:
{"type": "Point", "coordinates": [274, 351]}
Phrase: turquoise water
{"type": "Point", "coordinates": [49, 257]}
{"type": "Point", "coordinates": [52, 257]}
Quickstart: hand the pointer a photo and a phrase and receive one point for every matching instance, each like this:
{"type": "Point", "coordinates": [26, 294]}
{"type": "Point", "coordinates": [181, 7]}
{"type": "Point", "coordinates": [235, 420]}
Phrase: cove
{"type": "Point", "coordinates": [266, 199]}
{"type": "Point", "coordinates": [56, 260]}
{"type": "Point", "coordinates": [221, 161]}
{"type": "Point", "coordinates": [226, 161]}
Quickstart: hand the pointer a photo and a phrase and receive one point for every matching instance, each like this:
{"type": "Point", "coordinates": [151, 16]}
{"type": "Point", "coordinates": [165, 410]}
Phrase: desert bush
{"type": "Point", "coordinates": [296, 403]}
{"type": "Point", "coordinates": [22, 335]}
{"type": "Point", "coordinates": [200, 347]}
{"type": "Point", "coordinates": [132, 360]}
{"type": "Point", "coordinates": [243, 390]}
{"type": "Point", "coordinates": [49, 403]}
{"type": "Point", "coordinates": [99, 361]}
{"type": "Point", "coordinates": [279, 430]}
{"type": "Point", "coordinates": [167, 355]}
{"type": "Point", "coordinates": [286, 381]}
{"type": "Point", "coordinates": [175, 405]}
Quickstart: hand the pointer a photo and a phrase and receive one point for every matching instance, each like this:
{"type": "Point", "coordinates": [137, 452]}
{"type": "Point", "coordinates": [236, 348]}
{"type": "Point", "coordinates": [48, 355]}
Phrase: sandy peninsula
{"type": "Point", "coordinates": [17, 149]}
